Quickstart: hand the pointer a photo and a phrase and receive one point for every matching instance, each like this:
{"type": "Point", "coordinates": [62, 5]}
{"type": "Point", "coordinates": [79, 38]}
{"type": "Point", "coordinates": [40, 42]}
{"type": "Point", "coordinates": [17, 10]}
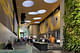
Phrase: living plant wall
{"type": "Point", "coordinates": [72, 26]}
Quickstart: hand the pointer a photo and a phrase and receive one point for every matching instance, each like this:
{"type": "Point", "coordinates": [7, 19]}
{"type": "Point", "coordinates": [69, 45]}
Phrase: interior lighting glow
{"type": "Point", "coordinates": [27, 21]}
{"type": "Point", "coordinates": [58, 41]}
{"type": "Point", "coordinates": [28, 3]}
{"type": "Point", "coordinates": [36, 18]}
{"type": "Point", "coordinates": [36, 22]}
{"type": "Point", "coordinates": [41, 11]}
{"type": "Point", "coordinates": [33, 13]}
{"type": "Point", "coordinates": [50, 1]}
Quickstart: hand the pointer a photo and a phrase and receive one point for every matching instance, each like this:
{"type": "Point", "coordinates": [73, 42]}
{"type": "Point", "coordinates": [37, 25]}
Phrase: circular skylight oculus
{"type": "Point", "coordinates": [37, 22]}
{"type": "Point", "coordinates": [41, 11]}
{"type": "Point", "coordinates": [33, 13]}
{"type": "Point", "coordinates": [36, 18]}
{"type": "Point", "coordinates": [28, 3]}
{"type": "Point", "coordinates": [50, 1]}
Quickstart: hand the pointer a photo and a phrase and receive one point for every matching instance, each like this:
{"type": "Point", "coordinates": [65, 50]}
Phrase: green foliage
{"type": "Point", "coordinates": [72, 25]}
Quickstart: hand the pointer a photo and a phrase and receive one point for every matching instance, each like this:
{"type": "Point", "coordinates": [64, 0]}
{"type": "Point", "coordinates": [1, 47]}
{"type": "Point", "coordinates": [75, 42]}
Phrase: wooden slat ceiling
{"type": "Point", "coordinates": [38, 4]}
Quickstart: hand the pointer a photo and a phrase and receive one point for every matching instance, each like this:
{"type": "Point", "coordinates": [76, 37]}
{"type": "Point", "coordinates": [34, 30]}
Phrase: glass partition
{"type": "Point", "coordinates": [27, 50]}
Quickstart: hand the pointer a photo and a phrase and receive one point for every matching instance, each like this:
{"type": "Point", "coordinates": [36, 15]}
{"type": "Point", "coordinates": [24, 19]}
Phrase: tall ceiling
{"type": "Point", "coordinates": [38, 5]}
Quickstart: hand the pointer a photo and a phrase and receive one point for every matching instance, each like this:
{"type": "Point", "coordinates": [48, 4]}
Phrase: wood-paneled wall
{"type": "Point", "coordinates": [52, 24]}
{"type": "Point", "coordinates": [34, 30]}
{"type": "Point", "coordinates": [6, 13]}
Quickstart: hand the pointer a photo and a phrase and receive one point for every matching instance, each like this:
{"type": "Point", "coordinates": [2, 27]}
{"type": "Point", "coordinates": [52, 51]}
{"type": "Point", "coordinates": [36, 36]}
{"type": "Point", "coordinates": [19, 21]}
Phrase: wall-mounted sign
{"type": "Point", "coordinates": [46, 23]}
{"type": "Point", "coordinates": [41, 27]}
{"type": "Point", "coordinates": [54, 20]}
{"type": "Point", "coordinates": [49, 29]}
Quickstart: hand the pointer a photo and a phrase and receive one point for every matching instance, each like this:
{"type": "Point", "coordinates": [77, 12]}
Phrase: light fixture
{"type": "Point", "coordinates": [21, 30]}
{"type": "Point", "coordinates": [41, 11]}
{"type": "Point", "coordinates": [38, 12]}
{"type": "Point", "coordinates": [37, 22]}
{"type": "Point", "coordinates": [33, 13]}
{"type": "Point", "coordinates": [58, 41]}
{"type": "Point", "coordinates": [28, 3]}
{"type": "Point", "coordinates": [50, 1]}
{"type": "Point", "coordinates": [36, 18]}
{"type": "Point", "coordinates": [27, 21]}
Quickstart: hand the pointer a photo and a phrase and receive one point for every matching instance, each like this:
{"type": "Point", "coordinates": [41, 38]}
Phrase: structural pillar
{"type": "Point", "coordinates": [61, 22]}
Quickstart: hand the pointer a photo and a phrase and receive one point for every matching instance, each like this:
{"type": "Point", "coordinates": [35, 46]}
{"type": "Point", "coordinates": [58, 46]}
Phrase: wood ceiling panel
{"type": "Point", "coordinates": [39, 4]}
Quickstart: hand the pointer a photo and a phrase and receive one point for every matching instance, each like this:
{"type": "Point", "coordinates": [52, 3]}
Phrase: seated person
{"type": "Point", "coordinates": [40, 40]}
{"type": "Point", "coordinates": [46, 40]}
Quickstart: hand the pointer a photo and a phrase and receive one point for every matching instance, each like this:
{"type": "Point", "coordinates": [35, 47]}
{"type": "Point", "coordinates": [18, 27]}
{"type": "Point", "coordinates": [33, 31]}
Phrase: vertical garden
{"type": "Point", "coordinates": [72, 26]}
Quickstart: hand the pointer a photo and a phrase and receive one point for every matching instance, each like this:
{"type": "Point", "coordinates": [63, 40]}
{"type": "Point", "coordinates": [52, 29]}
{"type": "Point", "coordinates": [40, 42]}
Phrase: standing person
{"type": "Point", "coordinates": [52, 39]}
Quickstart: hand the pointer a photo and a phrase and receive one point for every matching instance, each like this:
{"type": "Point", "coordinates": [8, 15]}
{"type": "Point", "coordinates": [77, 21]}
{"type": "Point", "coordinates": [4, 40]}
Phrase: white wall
{"type": "Point", "coordinates": [6, 34]}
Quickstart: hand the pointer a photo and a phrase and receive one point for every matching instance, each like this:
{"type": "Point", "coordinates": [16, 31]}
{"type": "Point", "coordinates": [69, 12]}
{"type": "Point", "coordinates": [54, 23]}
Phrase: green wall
{"type": "Point", "coordinates": [72, 26]}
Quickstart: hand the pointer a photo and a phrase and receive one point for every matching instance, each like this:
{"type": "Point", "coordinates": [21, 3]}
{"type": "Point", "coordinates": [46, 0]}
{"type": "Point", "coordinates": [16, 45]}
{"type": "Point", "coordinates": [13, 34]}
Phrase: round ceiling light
{"type": "Point", "coordinates": [50, 1]}
{"type": "Point", "coordinates": [37, 22]}
{"type": "Point", "coordinates": [28, 3]}
{"type": "Point", "coordinates": [36, 18]}
{"type": "Point", "coordinates": [33, 13]}
{"type": "Point", "coordinates": [41, 11]}
{"type": "Point", "coordinates": [27, 21]}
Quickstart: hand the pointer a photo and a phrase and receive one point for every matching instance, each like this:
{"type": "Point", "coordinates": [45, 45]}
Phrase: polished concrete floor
{"type": "Point", "coordinates": [35, 50]}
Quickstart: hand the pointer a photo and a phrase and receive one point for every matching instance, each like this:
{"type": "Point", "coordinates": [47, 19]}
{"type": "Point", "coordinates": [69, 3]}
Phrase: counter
{"type": "Point", "coordinates": [42, 46]}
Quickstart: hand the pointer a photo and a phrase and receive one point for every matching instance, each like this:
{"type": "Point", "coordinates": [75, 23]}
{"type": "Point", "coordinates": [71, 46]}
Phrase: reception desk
{"type": "Point", "coordinates": [42, 46]}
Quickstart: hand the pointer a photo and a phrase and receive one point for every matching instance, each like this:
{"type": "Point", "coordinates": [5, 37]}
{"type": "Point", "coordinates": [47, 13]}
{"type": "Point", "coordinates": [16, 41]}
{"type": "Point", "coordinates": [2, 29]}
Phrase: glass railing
{"type": "Point", "coordinates": [6, 51]}
{"type": "Point", "coordinates": [27, 50]}
{"type": "Point", "coordinates": [21, 51]}
{"type": "Point", "coordinates": [13, 51]}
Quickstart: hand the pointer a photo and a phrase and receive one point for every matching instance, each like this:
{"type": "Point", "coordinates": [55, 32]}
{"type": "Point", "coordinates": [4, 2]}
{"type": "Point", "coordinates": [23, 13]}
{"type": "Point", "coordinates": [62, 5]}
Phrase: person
{"type": "Point", "coordinates": [52, 39]}
{"type": "Point", "coordinates": [9, 46]}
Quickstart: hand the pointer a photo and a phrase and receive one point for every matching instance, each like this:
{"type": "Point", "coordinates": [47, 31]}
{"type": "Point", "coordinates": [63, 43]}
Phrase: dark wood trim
{"type": "Point", "coordinates": [15, 10]}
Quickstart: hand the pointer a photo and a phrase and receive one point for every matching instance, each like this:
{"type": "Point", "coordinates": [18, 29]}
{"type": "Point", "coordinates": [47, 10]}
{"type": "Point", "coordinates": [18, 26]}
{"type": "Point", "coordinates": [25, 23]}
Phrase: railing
{"type": "Point", "coordinates": [27, 50]}
{"type": "Point", "coordinates": [13, 51]}
{"type": "Point", "coordinates": [21, 51]}
{"type": "Point", "coordinates": [6, 51]}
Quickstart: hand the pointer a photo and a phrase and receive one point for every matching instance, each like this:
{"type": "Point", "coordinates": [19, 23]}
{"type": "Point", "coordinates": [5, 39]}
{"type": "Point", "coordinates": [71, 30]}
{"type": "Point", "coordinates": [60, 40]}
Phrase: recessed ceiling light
{"type": "Point", "coordinates": [41, 11]}
{"type": "Point", "coordinates": [27, 21]}
{"type": "Point", "coordinates": [33, 13]}
{"type": "Point", "coordinates": [37, 18]}
{"type": "Point", "coordinates": [50, 1]}
{"type": "Point", "coordinates": [28, 3]}
{"type": "Point", "coordinates": [37, 22]}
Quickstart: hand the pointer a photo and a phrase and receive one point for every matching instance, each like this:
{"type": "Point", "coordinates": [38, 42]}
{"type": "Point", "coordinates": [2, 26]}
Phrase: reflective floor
{"type": "Point", "coordinates": [35, 50]}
